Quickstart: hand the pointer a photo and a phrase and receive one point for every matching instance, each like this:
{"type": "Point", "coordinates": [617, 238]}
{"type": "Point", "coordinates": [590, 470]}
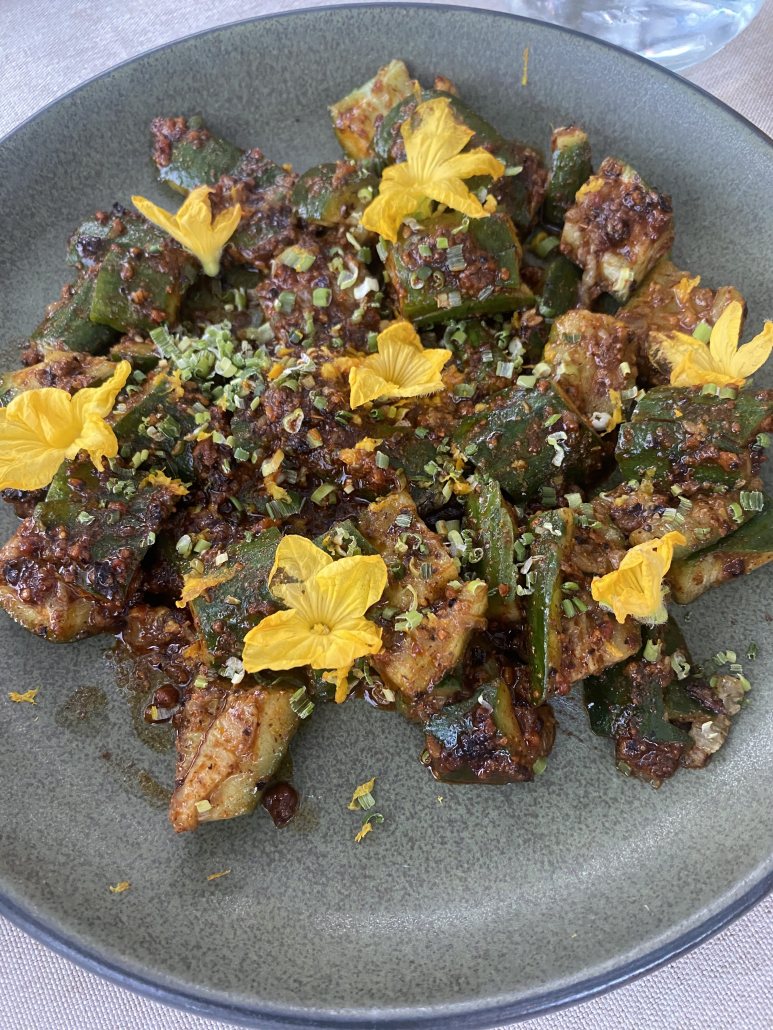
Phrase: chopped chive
{"type": "Point", "coordinates": [404, 520]}
{"type": "Point", "coordinates": [407, 621]}
{"type": "Point", "coordinates": [736, 512]}
{"type": "Point", "coordinates": [651, 651]}
{"type": "Point", "coordinates": [528, 382]}
{"type": "Point", "coordinates": [455, 258]}
{"type": "Point", "coordinates": [285, 302]}
{"type": "Point", "coordinates": [702, 332]}
{"type": "Point", "coordinates": [321, 297]}
{"type": "Point", "coordinates": [751, 651]}
{"type": "Point", "coordinates": [382, 460]}
{"type": "Point", "coordinates": [763, 440]}
{"type": "Point", "coordinates": [441, 243]}
{"type": "Point", "coordinates": [506, 369]}
{"type": "Point", "coordinates": [545, 246]}
{"type": "Point", "coordinates": [424, 250]}
{"type": "Point", "coordinates": [322, 492]}
{"type": "Point", "coordinates": [539, 766]}
{"type": "Point", "coordinates": [752, 500]}
{"type": "Point", "coordinates": [464, 390]}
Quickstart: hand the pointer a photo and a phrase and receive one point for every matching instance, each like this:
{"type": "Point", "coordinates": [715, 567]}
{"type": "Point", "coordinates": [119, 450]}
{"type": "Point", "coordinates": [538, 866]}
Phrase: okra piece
{"type": "Point", "coordinates": [356, 116]}
{"type": "Point", "coordinates": [464, 742]}
{"type": "Point", "coordinates": [682, 434]}
{"type": "Point", "coordinates": [91, 241]}
{"type": "Point", "coordinates": [188, 154]}
{"type": "Point", "coordinates": [560, 287]}
{"type": "Point", "coordinates": [65, 369]}
{"type": "Point", "coordinates": [453, 268]}
{"type": "Point", "coordinates": [420, 461]}
{"type": "Point", "coordinates": [230, 743]}
{"type": "Point", "coordinates": [68, 325]}
{"type": "Point", "coordinates": [239, 597]}
{"type": "Point", "coordinates": [388, 141]}
{"type": "Point", "coordinates": [489, 517]}
{"type": "Point", "coordinates": [553, 532]}
{"type": "Point", "coordinates": [142, 357]}
{"type": "Point", "coordinates": [656, 708]}
{"type": "Point", "coordinates": [88, 536]}
{"type": "Point", "coordinates": [520, 191]}
{"type": "Point", "coordinates": [335, 193]}
{"type": "Point", "coordinates": [263, 188]}
{"type": "Point", "coordinates": [571, 168]}
{"type": "Point", "coordinates": [529, 436]}
{"type": "Point", "coordinates": [159, 423]}
{"type": "Point", "coordinates": [594, 360]}
{"type": "Point", "coordinates": [142, 278]}
{"type": "Point", "coordinates": [616, 230]}
{"type": "Point", "coordinates": [748, 548]}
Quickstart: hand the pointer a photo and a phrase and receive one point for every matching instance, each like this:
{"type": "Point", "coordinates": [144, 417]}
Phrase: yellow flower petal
{"type": "Point", "coordinates": [722, 362]}
{"type": "Point", "coordinates": [360, 792]}
{"type": "Point", "coordinates": [366, 828]}
{"type": "Point", "coordinates": [434, 170]}
{"type": "Point", "coordinates": [755, 353]}
{"type": "Point", "coordinates": [325, 625]}
{"type": "Point", "coordinates": [724, 338]}
{"type": "Point", "coordinates": [162, 479]}
{"type": "Point", "coordinates": [195, 585]}
{"type": "Point", "coordinates": [40, 428]}
{"type": "Point", "coordinates": [401, 368]}
{"type": "Point", "coordinates": [635, 587]}
{"type": "Point", "coordinates": [28, 695]}
{"type": "Point", "coordinates": [341, 679]}
{"type": "Point", "coordinates": [297, 559]}
{"type": "Point", "coordinates": [194, 227]}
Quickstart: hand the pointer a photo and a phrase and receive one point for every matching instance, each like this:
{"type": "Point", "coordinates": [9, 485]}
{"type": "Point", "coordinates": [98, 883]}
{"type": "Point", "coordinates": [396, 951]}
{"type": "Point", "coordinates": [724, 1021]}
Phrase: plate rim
{"type": "Point", "coordinates": [457, 1015]}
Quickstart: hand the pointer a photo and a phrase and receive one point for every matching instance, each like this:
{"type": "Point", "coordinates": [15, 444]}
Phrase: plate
{"type": "Point", "coordinates": [492, 903]}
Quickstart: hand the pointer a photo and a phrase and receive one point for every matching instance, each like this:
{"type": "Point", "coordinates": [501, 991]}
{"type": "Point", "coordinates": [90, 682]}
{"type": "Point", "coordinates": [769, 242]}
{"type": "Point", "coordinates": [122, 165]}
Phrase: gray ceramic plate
{"type": "Point", "coordinates": [495, 902]}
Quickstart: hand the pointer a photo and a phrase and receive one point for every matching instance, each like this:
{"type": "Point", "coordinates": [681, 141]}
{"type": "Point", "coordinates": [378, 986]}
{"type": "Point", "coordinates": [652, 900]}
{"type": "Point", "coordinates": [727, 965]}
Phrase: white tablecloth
{"type": "Point", "coordinates": [46, 48]}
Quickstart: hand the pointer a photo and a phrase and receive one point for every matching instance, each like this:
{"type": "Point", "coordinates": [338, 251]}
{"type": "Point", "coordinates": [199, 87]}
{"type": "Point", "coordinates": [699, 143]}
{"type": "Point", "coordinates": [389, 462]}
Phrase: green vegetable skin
{"type": "Point", "coordinates": [745, 550]}
{"type": "Point", "coordinates": [429, 298]}
{"type": "Point", "coordinates": [199, 158]}
{"type": "Point", "coordinates": [325, 195]}
{"type": "Point", "coordinates": [560, 286]}
{"type": "Point", "coordinates": [69, 327]}
{"type": "Point", "coordinates": [488, 516]}
{"type": "Point", "coordinates": [658, 437]}
{"type": "Point", "coordinates": [249, 586]}
{"type": "Point", "coordinates": [608, 697]}
{"type": "Point", "coordinates": [172, 450]}
{"type": "Point", "coordinates": [157, 275]}
{"type": "Point", "coordinates": [553, 533]}
{"type": "Point", "coordinates": [510, 439]}
{"type": "Point", "coordinates": [454, 721]}
{"type": "Point", "coordinates": [410, 453]}
{"type": "Point", "coordinates": [571, 168]}
{"type": "Point", "coordinates": [110, 531]}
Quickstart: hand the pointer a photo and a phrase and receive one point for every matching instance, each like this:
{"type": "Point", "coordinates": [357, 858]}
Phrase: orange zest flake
{"type": "Point", "coordinates": [119, 888]}
{"type": "Point", "coordinates": [28, 695]}
{"type": "Point", "coordinates": [525, 76]}
{"type": "Point", "coordinates": [216, 876]}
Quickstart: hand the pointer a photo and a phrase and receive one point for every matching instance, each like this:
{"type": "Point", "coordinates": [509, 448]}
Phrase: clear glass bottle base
{"type": "Point", "coordinates": [676, 34]}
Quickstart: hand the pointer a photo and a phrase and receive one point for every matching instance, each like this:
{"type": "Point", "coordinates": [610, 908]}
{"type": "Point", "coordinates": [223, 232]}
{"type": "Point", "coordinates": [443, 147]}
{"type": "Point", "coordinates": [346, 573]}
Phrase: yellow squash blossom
{"type": "Point", "coordinates": [194, 227]}
{"type": "Point", "coordinates": [434, 170]}
{"type": "Point", "coordinates": [635, 587]}
{"type": "Point", "coordinates": [40, 428]}
{"type": "Point", "coordinates": [401, 368]}
{"type": "Point", "coordinates": [722, 362]}
{"type": "Point", "coordinates": [325, 625]}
